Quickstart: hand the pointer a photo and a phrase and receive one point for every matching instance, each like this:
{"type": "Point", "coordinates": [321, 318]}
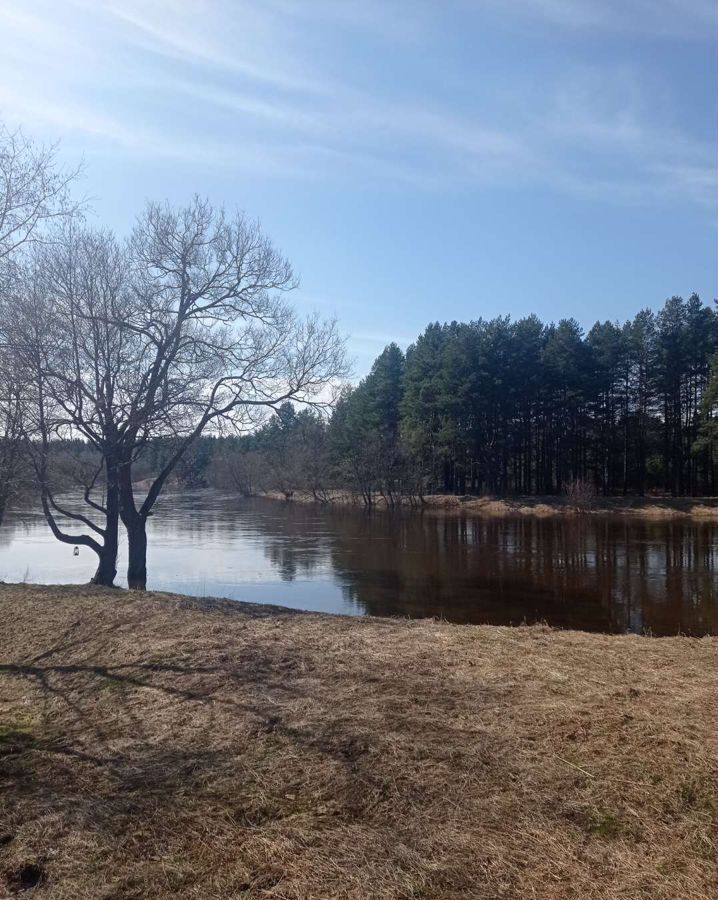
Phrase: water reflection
{"type": "Point", "coordinates": [594, 574]}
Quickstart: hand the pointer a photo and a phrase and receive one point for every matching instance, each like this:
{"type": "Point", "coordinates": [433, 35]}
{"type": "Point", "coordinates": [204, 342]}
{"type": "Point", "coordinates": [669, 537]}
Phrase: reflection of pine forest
{"type": "Point", "coordinates": [504, 406]}
{"type": "Point", "coordinates": [601, 574]}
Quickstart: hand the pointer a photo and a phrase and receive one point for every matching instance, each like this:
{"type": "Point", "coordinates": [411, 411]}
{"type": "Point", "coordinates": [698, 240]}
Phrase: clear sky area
{"type": "Point", "coordinates": [416, 160]}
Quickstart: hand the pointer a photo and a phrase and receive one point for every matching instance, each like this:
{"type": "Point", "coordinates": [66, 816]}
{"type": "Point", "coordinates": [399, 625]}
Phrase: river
{"type": "Point", "coordinates": [597, 574]}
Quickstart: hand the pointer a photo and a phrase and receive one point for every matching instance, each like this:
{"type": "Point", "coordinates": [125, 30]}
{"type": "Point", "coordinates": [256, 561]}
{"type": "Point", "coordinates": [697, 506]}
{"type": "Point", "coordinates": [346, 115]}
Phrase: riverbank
{"type": "Point", "coordinates": [158, 746]}
{"type": "Point", "coordinates": [651, 508]}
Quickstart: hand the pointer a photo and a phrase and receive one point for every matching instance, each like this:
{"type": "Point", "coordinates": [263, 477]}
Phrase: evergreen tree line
{"type": "Point", "coordinates": [504, 407]}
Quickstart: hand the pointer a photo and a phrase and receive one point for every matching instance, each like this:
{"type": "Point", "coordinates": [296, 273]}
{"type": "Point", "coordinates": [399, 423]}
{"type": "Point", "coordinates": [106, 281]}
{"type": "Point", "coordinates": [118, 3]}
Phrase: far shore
{"type": "Point", "coordinates": [652, 508]}
{"type": "Point", "coordinates": [156, 745]}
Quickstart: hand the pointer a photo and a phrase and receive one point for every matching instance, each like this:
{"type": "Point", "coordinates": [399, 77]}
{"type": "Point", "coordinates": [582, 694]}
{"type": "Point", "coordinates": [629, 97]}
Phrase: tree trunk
{"type": "Point", "coordinates": [137, 554]}
{"type": "Point", "coordinates": [107, 557]}
{"type": "Point", "coordinates": [106, 567]}
{"type": "Point", "coordinates": [135, 522]}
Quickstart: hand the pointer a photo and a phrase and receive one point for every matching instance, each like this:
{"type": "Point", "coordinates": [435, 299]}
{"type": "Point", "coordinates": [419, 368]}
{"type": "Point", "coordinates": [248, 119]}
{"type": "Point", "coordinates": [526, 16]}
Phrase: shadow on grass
{"type": "Point", "coordinates": [236, 705]}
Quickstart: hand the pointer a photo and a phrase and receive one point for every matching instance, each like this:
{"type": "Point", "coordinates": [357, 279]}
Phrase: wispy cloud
{"type": "Point", "coordinates": [249, 85]}
{"type": "Point", "coordinates": [232, 37]}
{"type": "Point", "coordinates": [613, 147]}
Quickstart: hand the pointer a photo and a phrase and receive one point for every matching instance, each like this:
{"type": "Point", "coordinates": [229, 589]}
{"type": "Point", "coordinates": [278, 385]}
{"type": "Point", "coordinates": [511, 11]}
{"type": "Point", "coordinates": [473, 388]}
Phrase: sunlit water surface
{"type": "Point", "coordinates": [598, 574]}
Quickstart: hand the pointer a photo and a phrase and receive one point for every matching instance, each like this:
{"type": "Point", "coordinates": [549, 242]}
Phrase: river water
{"type": "Point", "coordinates": [597, 574]}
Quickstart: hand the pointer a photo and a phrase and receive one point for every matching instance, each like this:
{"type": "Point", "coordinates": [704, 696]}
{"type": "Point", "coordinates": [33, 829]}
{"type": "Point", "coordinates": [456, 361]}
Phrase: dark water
{"type": "Point", "coordinates": [589, 573]}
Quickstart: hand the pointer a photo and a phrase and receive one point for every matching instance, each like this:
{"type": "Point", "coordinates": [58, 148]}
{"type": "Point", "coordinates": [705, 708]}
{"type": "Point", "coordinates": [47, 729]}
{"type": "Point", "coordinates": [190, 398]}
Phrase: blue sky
{"type": "Point", "coordinates": [415, 159]}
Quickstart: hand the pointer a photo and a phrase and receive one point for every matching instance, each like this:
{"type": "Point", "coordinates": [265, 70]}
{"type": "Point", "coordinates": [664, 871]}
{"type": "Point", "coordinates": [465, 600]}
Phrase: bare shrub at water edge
{"type": "Point", "coordinates": [580, 494]}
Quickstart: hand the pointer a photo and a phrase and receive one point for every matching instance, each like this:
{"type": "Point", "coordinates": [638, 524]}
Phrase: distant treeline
{"type": "Point", "coordinates": [500, 407]}
{"type": "Point", "coordinates": [503, 407]}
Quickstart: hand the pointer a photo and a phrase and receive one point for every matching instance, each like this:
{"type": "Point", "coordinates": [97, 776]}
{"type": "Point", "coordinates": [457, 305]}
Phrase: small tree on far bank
{"type": "Point", "coordinates": [234, 469]}
{"type": "Point", "coordinates": [580, 494]}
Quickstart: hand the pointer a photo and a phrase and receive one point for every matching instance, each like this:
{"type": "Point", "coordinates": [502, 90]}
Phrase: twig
{"type": "Point", "coordinates": [574, 766]}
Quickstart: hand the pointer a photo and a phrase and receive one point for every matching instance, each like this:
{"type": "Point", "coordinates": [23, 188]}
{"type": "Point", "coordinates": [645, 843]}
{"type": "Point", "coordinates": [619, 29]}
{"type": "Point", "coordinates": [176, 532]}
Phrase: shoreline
{"type": "Point", "coordinates": [700, 509]}
{"type": "Point", "coordinates": [160, 745]}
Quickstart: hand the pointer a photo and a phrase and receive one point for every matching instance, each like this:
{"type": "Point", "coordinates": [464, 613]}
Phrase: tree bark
{"type": "Point", "coordinates": [135, 522]}
{"type": "Point", "coordinates": [137, 554]}
{"type": "Point", "coordinates": [107, 556]}
{"type": "Point", "coordinates": [106, 568]}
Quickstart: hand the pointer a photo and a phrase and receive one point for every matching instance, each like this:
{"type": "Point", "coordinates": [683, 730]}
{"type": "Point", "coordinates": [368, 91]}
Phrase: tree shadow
{"type": "Point", "coordinates": [142, 757]}
{"type": "Point", "coordinates": [253, 690]}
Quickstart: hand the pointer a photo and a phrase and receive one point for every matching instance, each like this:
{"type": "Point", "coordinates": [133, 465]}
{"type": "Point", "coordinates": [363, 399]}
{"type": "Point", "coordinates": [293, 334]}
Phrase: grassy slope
{"type": "Point", "coordinates": [155, 747]}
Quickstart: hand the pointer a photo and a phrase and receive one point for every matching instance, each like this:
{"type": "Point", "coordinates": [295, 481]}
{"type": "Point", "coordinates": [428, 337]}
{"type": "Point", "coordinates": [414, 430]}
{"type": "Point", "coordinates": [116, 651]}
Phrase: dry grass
{"type": "Point", "coordinates": [653, 508]}
{"type": "Point", "coordinates": [161, 747]}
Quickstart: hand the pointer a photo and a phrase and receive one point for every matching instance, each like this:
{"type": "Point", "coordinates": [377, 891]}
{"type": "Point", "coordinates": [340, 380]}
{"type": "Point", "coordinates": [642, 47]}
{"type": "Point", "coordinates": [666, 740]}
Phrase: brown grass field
{"type": "Point", "coordinates": [155, 746]}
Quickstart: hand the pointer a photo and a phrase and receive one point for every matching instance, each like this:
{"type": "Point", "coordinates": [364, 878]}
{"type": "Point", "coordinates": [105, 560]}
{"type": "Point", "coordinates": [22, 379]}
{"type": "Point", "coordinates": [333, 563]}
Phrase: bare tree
{"type": "Point", "coordinates": [218, 343]}
{"type": "Point", "coordinates": [296, 453]}
{"type": "Point", "coordinates": [581, 494]}
{"type": "Point", "coordinates": [237, 470]}
{"type": "Point", "coordinates": [57, 321]}
{"type": "Point", "coordinates": [34, 192]}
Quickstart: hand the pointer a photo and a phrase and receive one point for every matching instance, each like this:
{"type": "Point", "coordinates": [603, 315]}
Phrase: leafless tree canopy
{"type": "Point", "coordinates": [34, 190]}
